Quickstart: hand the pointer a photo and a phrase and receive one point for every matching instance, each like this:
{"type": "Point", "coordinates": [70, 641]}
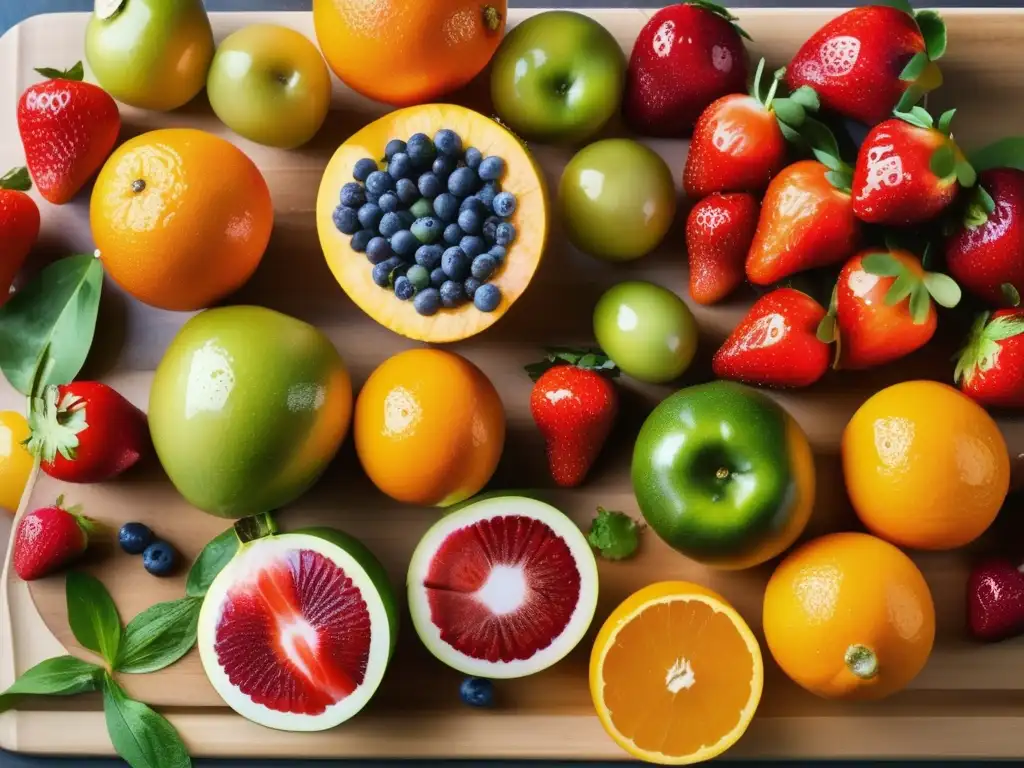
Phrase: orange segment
{"type": "Point", "coordinates": [675, 674]}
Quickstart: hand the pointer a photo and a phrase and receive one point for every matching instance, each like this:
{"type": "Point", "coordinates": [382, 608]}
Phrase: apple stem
{"type": "Point", "coordinates": [861, 661]}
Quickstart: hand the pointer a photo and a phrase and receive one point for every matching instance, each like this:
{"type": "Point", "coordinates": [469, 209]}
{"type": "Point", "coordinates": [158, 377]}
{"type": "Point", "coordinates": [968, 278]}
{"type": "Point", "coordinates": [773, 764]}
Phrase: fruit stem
{"type": "Point", "coordinates": [861, 661]}
{"type": "Point", "coordinates": [722, 473]}
{"type": "Point", "coordinates": [256, 527]}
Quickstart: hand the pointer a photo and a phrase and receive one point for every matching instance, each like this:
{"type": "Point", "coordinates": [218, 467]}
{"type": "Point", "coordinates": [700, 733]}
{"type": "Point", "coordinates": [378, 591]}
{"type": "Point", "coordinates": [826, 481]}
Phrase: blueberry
{"type": "Point", "coordinates": [498, 253]}
{"type": "Point", "coordinates": [452, 294]}
{"type": "Point", "coordinates": [487, 193]}
{"type": "Point", "coordinates": [438, 277]}
{"type": "Point", "coordinates": [473, 158]}
{"type": "Point", "coordinates": [490, 228]}
{"type": "Point", "coordinates": [361, 239]}
{"type": "Point", "coordinates": [353, 195]}
{"type": "Point", "coordinates": [505, 234]}
{"type": "Point", "coordinates": [427, 230]}
{"type": "Point", "coordinates": [393, 148]}
{"type": "Point", "coordinates": [400, 166]}
{"type": "Point", "coordinates": [407, 191]}
{"type": "Point", "coordinates": [446, 206]}
{"type": "Point", "coordinates": [429, 256]}
{"type": "Point", "coordinates": [382, 272]}
{"type": "Point", "coordinates": [420, 150]}
{"type": "Point", "coordinates": [378, 250]}
{"type": "Point", "coordinates": [404, 243]}
{"type": "Point", "coordinates": [430, 186]}
{"type": "Point", "coordinates": [492, 168]}
{"type": "Point", "coordinates": [472, 245]}
{"type": "Point", "coordinates": [379, 182]}
{"type": "Point", "coordinates": [455, 263]}
{"type": "Point", "coordinates": [363, 168]}
{"type": "Point", "coordinates": [487, 297]}
{"type": "Point", "coordinates": [421, 208]}
{"type": "Point", "coordinates": [427, 301]}
{"type": "Point", "coordinates": [443, 166]}
{"type": "Point", "coordinates": [477, 692]}
{"type": "Point", "coordinates": [504, 204]}
{"type": "Point", "coordinates": [471, 221]}
{"type": "Point", "coordinates": [388, 202]}
{"type": "Point", "coordinates": [159, 558]}
{"type": "Point", "coordinates": [469, 285]}
{"type": "Point", "coordinates": [404, 288]}
{"type": "Point", "coordinates": [134, 537]}
{"type": "Point", "coordinates": [370, 216]}
{"type": "Point", "coordinates": [483, 267]}
{"type": "Point", "coordinates": [346, 220]}
{"type": "Point", "coordinates": [472, 203]}
{"type": "Point", "coordinates": [389, 224]}
{"type": "Point", "coordinates": [463, 182]}
{"type": "Point", "coordinates": [419, 277]}
{"type": "Point", "coordinates": [453, 234]}
{"type": "Point", "coordinates": [372, 198]}
{"type": "Point", "coordinates": [448, 142]}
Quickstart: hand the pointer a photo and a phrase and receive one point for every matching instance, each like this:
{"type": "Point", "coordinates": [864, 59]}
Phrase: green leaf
{"type": "Point", "coordinates": [915, 67]}
{"type": "Point", "coordinates": [719, 10]}
{"type": "Point", "coordinates": [59, 676]}
{"type": "Point", "coordinates": [806, 97]}
{"type": "Point", "coordinates": [944, 121]}
{"type": "Point", "coordinates": [985, 199]}
{"type": "Point", "coordinates": [901, 287]}
{"type": "Point", "coordinates": [52, 319]}
{"type": "Point", "coordinates": [789, 112]}
{"type": "Point", "coordinates": [144, 738]}
{"type": "Point", "coordinates": [822, 142]}
{"type": "Point", "coordinates": [933, 30]}
{"type": "Point", "coordinates": [211, 561]}
{"type": "Point", "coordinates": [900, 5]}
{"type": "Point", "coordinates": [16, 179]}
{"type": "Point", "coordinates": [965, 174]}
{"type": "Point", "coordinates": [841, 180]}
{"type": "Point", "coordinates": [159, 636]}
{"type": "Point", "coordinates": [93, 615]}
{"type": "Point", "coordinates": [76, 73]}
{"type": "Point", "coordinates": [1010, 294]}
{"type": "Point", "coordinates": [1004, 327]}
{"type": "Point", "coordinates": [1005, 153]}
{"type": "Point", "coordinates": [917, 116]}
{"type": "Point", "coordinates": [826, 331]}
{"type": "Point", "coordinates": [614, 534]}
{"type": "Point", "coordinates": [790, 134]}
{"type": "Point", "coordinates": [943, 162]}
{"type": "Point", "coordinates": [911, 96]}
{"type": "Point", "coordinates": [882, 264]}
{"type": "Point", "coordinates": [920, 303]}
{"type": "Point", "coordinates": [943, 289]}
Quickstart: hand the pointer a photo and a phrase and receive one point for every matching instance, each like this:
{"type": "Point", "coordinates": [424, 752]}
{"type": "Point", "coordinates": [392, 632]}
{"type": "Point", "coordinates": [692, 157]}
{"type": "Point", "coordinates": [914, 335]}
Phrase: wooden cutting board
{"type": "Point", "coordinates": [967, 702]}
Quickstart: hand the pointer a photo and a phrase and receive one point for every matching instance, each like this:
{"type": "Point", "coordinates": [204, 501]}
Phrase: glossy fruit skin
{"type": "Point", "coordinates": [892, 182]}
{"type": "Point", "coordinates": [403, 53]}
{"type": "Point", "coordinates": [19, 229]}
{"type": "Point", "coordinates": [269, 84]}
{"type": "Point", "coordinates": [924, 482]}
{"type": "Point", "coordinates": [983, 258]}
{"type": "Point", "coordinates": [724, 475]}
{"type": "Point", "coordinates": [159, 558]}
{"type": "Point", "coordinates": [617, 199]}
{"type": "Point", "coordinates": [871, 331]}
{"type": "Point", "coordinates": [477, 692]}
{"type": "Point", "coordinates": [684, 58]}
{"type": "Point", "coordinates": [837, 591]}
{"type": "Point", "coordinates": [776, 344]}
{"type": "Point", "coordinates": [152, 54]}
{"type": "Point", "coordinates": [215, 239]}
{"type": "Point", "coordinates": [737, 146]}
{"type": "Point", "coordinates": [567, 91]}
{"type": "Point", "coordinates": [429, 428]}
{"type": "Point", "coordinates": [805, 223]}
{"type": "Point", "coordinates": [15, 461]}
{"type": "Point", "coordinates": [994, 374]}
{"type": "Point", "coordinates": [134, 538]}
{"type": "Point", "coordinates": [247, 408]}
{"type": "Point", "coordinates": [995, 600]}
{"type": "Point", "coordinates": [47, 539]}
{"type": "Point", "coordinates": [647, 330]}
{"type": "Point", "coordinates": [719, 231]}
{"type": "Point", "coordinates": [854, 62]}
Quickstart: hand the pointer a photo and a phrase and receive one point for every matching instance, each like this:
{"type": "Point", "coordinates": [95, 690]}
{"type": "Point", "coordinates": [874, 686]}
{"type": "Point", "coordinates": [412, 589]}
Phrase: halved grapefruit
{"type": "Point", "coordinates": [296, 631]}
{"type": "Point", "coordinates": [502, 587]}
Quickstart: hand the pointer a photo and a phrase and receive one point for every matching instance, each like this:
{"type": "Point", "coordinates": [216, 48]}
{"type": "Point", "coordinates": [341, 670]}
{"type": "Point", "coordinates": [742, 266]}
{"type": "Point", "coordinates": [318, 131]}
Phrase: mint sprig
{"type": "Point", "coordinates": [59, 676]}
{"type": "Point", "coordinates": [142, 736]}
{"type": "Point", "coordinates": [159, 636]}
{"type": "Point", "coordinates": [93, 616]}
{"type": "Point", "coordinates": [614, 534]}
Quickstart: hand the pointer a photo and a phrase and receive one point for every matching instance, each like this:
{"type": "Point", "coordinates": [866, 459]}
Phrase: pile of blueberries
{"type": "Point", "coordinates": [434, 225]}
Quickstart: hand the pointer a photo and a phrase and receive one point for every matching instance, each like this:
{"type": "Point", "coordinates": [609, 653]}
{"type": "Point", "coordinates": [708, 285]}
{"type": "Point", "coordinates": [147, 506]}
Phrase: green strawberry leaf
{"type": "Point", "coordinates": [790, 134]}
{"type": "Point", "coordinates": [159, 636]}
{"type": "Point", "coordinates": [944, 121]}
{"type": "Point", "coordinates": [841, 180]}
{"type": "Point", "coordinates": [1011, 294]}
{"type": "Point", "coordinates": [981, 351]}
{"type": "Point", "coordinates": [900, 5]}
{"type": "Point", "coordinates": [826, 331]}
{"type": "Point", "coordinates": [93, 615]}
{"type": "Point", "coordinates": [59, 676]}
{"type": "Point", "coordinates": [965, 174]}
{"type": "Point", "coordinates": [1005, 153]}
{"type": "Point", "coordinates": [789, 112]}
{"type": "Point", "coordinates": [144, 738]}
{"type": "Point", "coordinates": [933, 30]}
{"type": "Point", "coordinates": [822, 143]}
{"type": "Point", "coordinates": [916, 116]}
{"type": "Point", "coordinates": [211, 561]}
{"type": "Point", "coordinates": [943, 162]}
{"type": "Point", "coordinates": [614, 534]}
{"type": "Point", "coordinates": [928, 256]}
{"type": "Point", "coordinates": [806, 97]}
{"type": "Point", "coordinates": [985, 199]}
{"type": "Point", "coordinates": [920, 303]}
{"type": "Point", "coordinates": [16, 179]}
{"type": "Point", "coordinates": [901, 287]}
{"type": "Point", "coordinates": [915, 67]}
{"type": "Point", "coordinates": [1004, 327]}
{"type": "Point", "coordinates": [76, 73]}
{"type": "Point", "coordinates": [911, 96]}
{"type": "Point", "coordinates": [882, 264]}
{"type": "Point", "coordinates": [590, 359]}
{"type": "Point", "coordinates": [943, 289]}
{"type": "Point", "coordinates": [719, 10]}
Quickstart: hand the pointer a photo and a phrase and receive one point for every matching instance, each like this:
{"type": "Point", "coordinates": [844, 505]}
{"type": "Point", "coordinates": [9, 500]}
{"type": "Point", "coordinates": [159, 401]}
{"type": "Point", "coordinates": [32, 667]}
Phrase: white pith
{"type": "Point", "coordinates": [574, 631]}
{"type": "Point", "coordinates": [250, 560]}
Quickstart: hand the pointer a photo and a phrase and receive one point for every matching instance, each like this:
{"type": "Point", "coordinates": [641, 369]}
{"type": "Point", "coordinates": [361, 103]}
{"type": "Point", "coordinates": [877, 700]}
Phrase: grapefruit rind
{"type": "Point", "coordinates": [367, 576]}
{"type": "Point", "coordinates": [473, 512]}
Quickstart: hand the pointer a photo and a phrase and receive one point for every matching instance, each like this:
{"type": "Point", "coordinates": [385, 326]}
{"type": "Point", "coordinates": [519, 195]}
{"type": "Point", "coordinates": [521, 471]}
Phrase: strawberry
{"type": "Point", "coordinates": [870, 60]}
{"type": "Point", "coordinates": [574, 405]}
{"type": "Point", "coordinates": [86, 432]}
{"type": "Point", "coordinates": [686, 56]}
{"type": "Point", "coordinates": [990, 367]}
{"type": "Point", "coordinates": [776, 344]}
{"type": "Point", "coordinates": [882, 307]}
{"type": "Point", "coordinates": [908, 170]}
{"type": "Point", "coordinates": [719, 231]}
{"type": "Point", "coordinates": [995, 600]}
{"type": "Point", "coordinates": [19, 226]}
{"type": "Point", "coordinates": [50, 538]}
{"type": "Point", "coordinates": [68, 129]}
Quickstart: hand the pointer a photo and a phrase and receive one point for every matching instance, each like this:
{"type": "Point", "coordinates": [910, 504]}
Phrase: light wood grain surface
{"type": "Point", "coordinates": [967, 702]}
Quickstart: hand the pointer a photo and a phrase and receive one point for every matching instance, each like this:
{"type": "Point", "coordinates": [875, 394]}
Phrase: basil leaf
{"type": "Point", "coordinates": [933, 30]}
{"type": "Point", "coordinates": [93, 615]}
{"type": "Point", "coordinates": [59, 676]}
{"type": "Point", "coordinates": [54, 314]}
{"type": "Point", "coordinates": [144, 738]}
{"type": "Point", "coordinates": [210, 562]}
{"type": "Point", "coordinates": [159, 636]}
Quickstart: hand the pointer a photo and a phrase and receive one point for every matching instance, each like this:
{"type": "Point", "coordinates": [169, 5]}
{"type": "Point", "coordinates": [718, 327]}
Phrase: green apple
{"type": "Point", "coordinates": [270, 84]}
{"type": "Point", "coordinates": [557, 77]}
{"type": "Point", "coordinates": [152, 54]}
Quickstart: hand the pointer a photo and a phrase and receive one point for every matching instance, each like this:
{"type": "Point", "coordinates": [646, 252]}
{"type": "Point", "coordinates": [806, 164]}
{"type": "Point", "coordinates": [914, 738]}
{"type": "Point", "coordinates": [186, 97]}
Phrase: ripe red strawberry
{"type": "Point", "coordinates": [908, 170]}
{"type": "Point", "coordinates": [19, 226]}
{"type": "Point", "coordinates": [776, 343]}
{"type": "Point", "coordinates": [50, 538]}
{"type": "Point", "coordinates": [805, 222]}
{"type": "Point", "coordinates": [86, 432]}
{"type": "Point", "coordinates": [990, 367]}
{"type": "Point", "coordinates": [995, 600]}
{"type": "Point", "coordinates": [719, 231]}
{"type": "Point", "coordinates": [870, 60]}
{"type": "Point", "coordinates": [68, 129]}
{"type": "Point", "coordinates": [882, 307]}
{"type": "Point", "coordinates": [574, 405]}
{"type": "Point", "coordinates": [686, 56]}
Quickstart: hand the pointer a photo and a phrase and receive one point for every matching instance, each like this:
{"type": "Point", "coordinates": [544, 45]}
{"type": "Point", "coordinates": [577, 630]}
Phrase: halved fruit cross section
{"type": "Point", "coordinates": [502, 587]}
{"type": "Point", "coordinates": [296, 631]}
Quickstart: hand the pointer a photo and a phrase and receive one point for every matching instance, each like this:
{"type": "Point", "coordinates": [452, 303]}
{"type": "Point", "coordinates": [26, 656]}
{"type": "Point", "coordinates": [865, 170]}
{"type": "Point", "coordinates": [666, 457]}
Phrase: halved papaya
{"type": "Point", "coordinates": [522, 178]}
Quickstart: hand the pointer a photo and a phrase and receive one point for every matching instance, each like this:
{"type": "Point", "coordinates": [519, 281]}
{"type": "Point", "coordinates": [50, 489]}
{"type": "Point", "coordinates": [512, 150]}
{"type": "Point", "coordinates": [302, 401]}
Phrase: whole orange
{"type": "Point", "coordinates": [849, 616]}
{"type": "Point", "coordinates": [181, 218]}
{"type": "Point", "coordinates": [404, 52]}
{"type": "Point", "coordinates": [429, 427]}
{"type": "Point", "coordinates": [925, 466]}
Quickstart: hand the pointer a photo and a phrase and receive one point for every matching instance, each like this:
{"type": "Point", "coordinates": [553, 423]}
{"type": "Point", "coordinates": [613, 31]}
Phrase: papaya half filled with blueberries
{"type": "Point", "coordinates": [433, 220]}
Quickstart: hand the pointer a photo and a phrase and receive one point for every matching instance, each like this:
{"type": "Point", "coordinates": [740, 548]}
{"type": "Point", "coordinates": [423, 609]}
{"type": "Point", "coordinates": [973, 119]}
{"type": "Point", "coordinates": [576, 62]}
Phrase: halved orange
{"type": "Point", "coordinates": [675, 674]}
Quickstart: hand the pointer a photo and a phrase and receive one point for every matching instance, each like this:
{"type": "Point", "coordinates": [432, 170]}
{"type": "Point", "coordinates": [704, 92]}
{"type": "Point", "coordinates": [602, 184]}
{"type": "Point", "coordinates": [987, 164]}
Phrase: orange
{"type": "Point", "coordinates": [181, 218]}
{"type": "Point", "coordinates": [404, 52]}
{"type": "Point", "coordinates": [849, 616]}
{"type": "Point", "coordinates": [429, 427]}
{"type": "Point", "coordinates": [926, 467]}
{"type": "Point", "coordinates": [675, 674]}
{"type": "Point", "coordinates": [15, 461]}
